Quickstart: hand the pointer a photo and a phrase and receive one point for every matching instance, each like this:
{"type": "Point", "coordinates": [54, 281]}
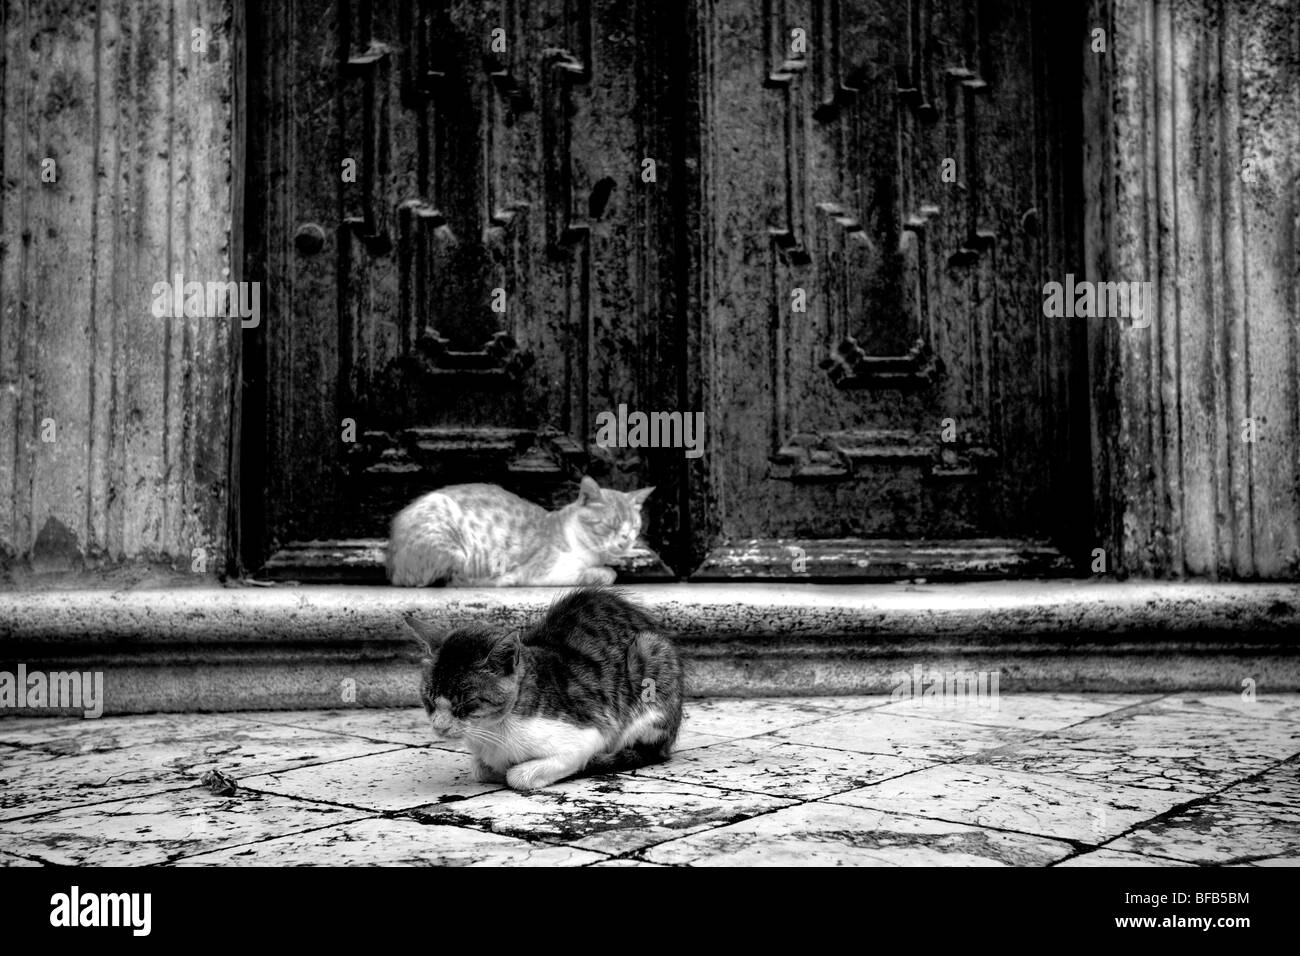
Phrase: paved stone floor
{"type": "Point", "coordinates": [1050, 779]}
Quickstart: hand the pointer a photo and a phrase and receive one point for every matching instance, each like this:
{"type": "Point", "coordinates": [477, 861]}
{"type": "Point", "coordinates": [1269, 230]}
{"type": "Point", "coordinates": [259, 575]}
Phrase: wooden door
{"type": "Point", "coordinates": [886, 186]}
{"type": "Point", "coordinates": [466, 263]}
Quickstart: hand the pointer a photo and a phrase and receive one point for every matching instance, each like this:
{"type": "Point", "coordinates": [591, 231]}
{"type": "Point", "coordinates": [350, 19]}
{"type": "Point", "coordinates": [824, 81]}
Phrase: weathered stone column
{"type": "Point", "coordinates": [1192, 133]}
{"type": "Point", "coordinates": [121, 162]}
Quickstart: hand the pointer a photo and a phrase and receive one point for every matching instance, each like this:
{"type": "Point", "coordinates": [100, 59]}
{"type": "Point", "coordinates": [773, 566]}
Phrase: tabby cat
{"type": "Point", "coordinates": [595, 687]}
{"type": "Point", "coordinates": [482, 535]}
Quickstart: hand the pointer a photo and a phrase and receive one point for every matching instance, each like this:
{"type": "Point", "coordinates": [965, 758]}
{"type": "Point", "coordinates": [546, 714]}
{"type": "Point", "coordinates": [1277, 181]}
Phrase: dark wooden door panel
{"type": "Point", "coordinates": [492, 278]}
{"type": "Point", "coordinates": [859, 303]}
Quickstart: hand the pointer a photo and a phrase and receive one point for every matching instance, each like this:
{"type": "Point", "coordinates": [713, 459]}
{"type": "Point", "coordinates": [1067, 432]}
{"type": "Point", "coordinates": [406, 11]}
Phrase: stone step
{"type": "Point", "coordinates": [240, 648]}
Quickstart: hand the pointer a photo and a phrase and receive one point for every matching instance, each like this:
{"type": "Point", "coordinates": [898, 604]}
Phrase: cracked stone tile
{"type": "Point", "coordinates": [612, 814]}
{"type": "Point", "coordinates": [28, 731]}
{"type": "Point", "coordinates": [119, 761]}
{"type": "Point", "coordinates": [770, 766]}
{"type": "Point", "coordinates": [396, 780]}
{"type": "Point", "coordinates": [1159, 745]}
{"type": "Point", "coordinates": [846, 702]}
{"type": "Point", "coordinates": [1293, 860]}
{"type": "Point", "coordinates": [1255, 819]}
{"type": "Point", "coordinates": [8, 859]}
{"type": "Point", "coordinates": [629, 862]}
{"type": "Point", "coordinates": [159, 827]}
{"type": "Point", "coordinates": [407, 725]}
{"type": "Point", "coordinates": [829, 834]}
{"type": "Point", "coordinates": [1109, 858]}
{"type": "Point", "coordinates": [1037, 712]}
{"type": "Point", "coordinates": [72, 736]}
{"type": "Point", "coordinates": [688, 740]}
{"type": "Point", "coordinates": [395, 842]}
{"type": "Point", "coordinates": [1060, 807]}
{"type": "Point", "coordinates": [916, 738]}
{"type": "Point", "coordinates": [62, 736]}
{"type": "Point", "coordinates": [751, 716]}
{"type": "Point", "coordinates": [1262, 706]}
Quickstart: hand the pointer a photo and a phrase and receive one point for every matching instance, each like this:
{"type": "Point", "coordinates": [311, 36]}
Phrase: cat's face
{"type": "Point", "coordinates": [469, 682]}
{"type": "Point", "coordinates": [608, 521]}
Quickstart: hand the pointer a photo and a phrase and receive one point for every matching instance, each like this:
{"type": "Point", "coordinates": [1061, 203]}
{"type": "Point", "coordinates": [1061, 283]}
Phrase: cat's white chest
{"type": "Point", "coordinates": [570, 567]}
{"type": "Point", "coordinates": [566, 569]}
{"type": "Point", "coordinates": [516, 740]}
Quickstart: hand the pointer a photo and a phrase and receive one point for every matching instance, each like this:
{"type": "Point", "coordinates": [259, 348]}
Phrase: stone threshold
{"type": "Point", "coordinates": [291, 647]}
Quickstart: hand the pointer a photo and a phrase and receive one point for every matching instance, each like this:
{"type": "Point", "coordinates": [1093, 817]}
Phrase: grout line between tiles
{"type": "Point", "coordinates": [172, 860]}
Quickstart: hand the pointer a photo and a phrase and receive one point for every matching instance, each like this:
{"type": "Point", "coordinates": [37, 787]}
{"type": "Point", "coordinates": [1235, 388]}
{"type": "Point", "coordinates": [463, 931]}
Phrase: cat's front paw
{"type": "Point", "coordinates": [599, 576]}
{"type": "Point", "coordinates": [528, 776]}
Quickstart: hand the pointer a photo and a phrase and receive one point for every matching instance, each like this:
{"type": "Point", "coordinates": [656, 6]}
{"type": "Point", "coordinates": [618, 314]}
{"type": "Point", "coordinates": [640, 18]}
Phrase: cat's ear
{"type": "Point", "coordinates": [637, 498]}
{"type": "Point", "coordinates": [430, 639]}
{"type": "Point", "coordinates": [588, 491]}
{"type": "Point", "coordinates": [506, 654]}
